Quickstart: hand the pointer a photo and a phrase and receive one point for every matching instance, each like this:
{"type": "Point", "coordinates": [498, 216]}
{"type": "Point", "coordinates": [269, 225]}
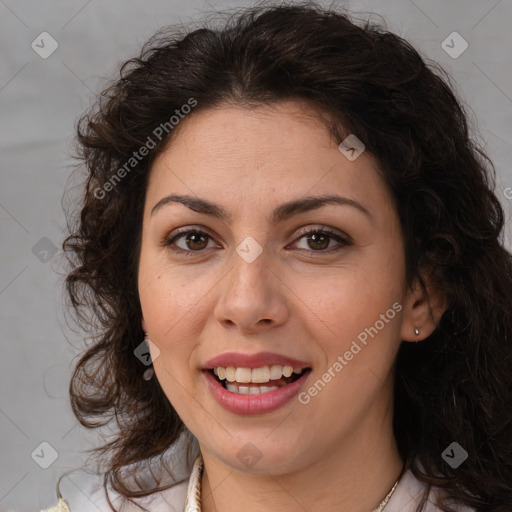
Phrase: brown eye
{"type": "Point", "coordinates": [195, 240]}
{"type": "Point", "coordinates": [188, 241]}
{"type": "Point", "coordinates": [319, 240]}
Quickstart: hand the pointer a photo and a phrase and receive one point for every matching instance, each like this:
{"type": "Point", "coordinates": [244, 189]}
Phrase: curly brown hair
{"type": "Point", "coordinates": [456, 384]}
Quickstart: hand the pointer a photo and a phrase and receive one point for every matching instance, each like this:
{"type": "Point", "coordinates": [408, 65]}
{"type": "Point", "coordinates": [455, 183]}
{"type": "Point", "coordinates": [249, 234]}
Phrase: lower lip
{"type": "Point", "coordinates": [246, 405]}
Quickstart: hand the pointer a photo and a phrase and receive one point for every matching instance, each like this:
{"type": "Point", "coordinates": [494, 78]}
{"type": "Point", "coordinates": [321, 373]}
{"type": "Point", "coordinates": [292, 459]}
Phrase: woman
{"type": "Point", "coordinates": [292, 250]}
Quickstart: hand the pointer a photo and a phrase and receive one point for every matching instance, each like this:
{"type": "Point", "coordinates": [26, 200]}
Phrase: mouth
{"type": "Point", "coordinates": [251, 391]}
{"type": "Point", "coordinates": [256, 381]}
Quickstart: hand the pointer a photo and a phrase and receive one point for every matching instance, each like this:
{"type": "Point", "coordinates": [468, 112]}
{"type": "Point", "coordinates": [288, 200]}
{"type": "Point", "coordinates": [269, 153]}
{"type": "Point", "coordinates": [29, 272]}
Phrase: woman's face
{"type": "Point", "coordinates": [249, 288]}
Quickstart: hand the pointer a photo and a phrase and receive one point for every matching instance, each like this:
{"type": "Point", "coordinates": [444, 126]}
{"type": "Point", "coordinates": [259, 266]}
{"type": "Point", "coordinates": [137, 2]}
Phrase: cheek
{"type": "Point", "coordinates": [170, 296]}
{"type": "Point", "coordinates": [173, 306]}
{"type": "Point", "coordinates": [350, 297]}
{"type": "Point", "coordinates": [357, 302]}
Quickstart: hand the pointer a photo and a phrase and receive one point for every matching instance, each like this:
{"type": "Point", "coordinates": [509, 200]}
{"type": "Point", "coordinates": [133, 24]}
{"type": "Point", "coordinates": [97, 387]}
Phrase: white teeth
{"type": "Point", "coordinates": [249, 390]}
{"type": "Point", "coordinates": [260, 375]}
{"type": "Point", "coordinates": [232, 387]}
{"type": "Point", "coordinates": [287, 371]}
{"type": "Point", "coordinates": [266, 389]}
{"type": "Point", "coordinates": [276, 372]}
{"type": "Point", "coordinates": [230, 373]}
{"type": "Point", "coordinates": [243, 375]}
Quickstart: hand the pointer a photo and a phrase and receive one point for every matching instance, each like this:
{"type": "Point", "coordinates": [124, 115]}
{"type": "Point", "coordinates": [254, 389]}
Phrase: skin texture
{"type": "Point", "coordinates": [298, 298]}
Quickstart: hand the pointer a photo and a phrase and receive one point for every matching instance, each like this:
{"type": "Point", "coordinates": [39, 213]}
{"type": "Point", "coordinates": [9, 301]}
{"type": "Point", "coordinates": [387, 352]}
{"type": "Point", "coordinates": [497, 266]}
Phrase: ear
{"type": "Point", "coordinates": [422, 311]}
{"type": "Point", "coordinates": [143, 322]}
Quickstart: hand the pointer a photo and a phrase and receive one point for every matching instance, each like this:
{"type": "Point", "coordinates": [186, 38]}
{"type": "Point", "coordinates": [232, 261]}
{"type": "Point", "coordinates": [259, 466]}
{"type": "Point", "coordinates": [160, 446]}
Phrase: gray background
{"type": "Point", "coordinates": [40, 100]}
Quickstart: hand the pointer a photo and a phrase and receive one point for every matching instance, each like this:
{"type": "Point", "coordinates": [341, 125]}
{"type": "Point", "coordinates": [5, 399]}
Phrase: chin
{"type": "Point", "coordinates": [261, 453]}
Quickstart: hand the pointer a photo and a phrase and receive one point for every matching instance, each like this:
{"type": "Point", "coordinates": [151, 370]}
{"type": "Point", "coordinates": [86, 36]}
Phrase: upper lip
{"type": "Point", "coordinates": [241, 360]}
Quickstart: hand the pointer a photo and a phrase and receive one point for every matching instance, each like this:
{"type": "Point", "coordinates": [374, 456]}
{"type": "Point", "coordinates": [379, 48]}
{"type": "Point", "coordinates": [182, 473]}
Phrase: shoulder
{"type": "Point", "coordinates": [85, 492]}
{"type": "Point", "coordinates": [91, 496]}
{"type": "Point", "coordinates": [409, 493]}
{"type": "Point", "coordinates": [170, 500]}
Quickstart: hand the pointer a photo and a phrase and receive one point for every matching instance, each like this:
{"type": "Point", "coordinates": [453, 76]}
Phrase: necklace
{"type": "Point", "coordinates": [384, 502]}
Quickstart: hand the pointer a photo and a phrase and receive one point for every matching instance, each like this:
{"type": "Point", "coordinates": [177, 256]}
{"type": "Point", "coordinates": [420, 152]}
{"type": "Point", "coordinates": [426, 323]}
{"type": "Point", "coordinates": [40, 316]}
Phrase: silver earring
{"type": "Point", "coordinates": [416, 331]}
{"type": "Point", "coordinates": [148, 374]}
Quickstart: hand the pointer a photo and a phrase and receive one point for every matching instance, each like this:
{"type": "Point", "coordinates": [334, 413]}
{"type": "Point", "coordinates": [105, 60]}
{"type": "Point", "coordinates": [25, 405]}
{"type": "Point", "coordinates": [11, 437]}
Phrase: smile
{"type": "Point", "coordinates": [246, 391]}
{"type": "Point", "coordinates": [247, 381]}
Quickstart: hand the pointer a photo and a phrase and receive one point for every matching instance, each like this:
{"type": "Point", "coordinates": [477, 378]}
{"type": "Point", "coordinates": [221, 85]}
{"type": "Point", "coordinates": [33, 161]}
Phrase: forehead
{"type": "Point", "coordinates": [236, 153]}
{"type": "Point", "coordinates": [255, 133]}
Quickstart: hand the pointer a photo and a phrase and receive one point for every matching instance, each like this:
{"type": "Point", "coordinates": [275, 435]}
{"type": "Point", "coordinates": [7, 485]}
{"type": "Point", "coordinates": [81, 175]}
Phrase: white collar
{"type": "Point", "coordinates": [193, 501]}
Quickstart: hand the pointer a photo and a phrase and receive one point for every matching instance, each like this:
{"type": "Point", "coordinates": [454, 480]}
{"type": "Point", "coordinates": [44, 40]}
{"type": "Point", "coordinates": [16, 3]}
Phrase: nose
{"type": "Point", "coordinates": [252, 297]}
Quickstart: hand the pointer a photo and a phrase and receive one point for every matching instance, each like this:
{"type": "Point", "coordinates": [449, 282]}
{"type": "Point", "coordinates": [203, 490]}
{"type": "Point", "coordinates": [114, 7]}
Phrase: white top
{"type": "Point", "coordinates": [184, 496]}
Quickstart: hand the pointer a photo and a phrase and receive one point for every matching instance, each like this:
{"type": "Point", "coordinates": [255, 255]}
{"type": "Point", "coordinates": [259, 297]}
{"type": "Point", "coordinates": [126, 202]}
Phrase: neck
{"type": "Point", "coordinates": [355, 477]}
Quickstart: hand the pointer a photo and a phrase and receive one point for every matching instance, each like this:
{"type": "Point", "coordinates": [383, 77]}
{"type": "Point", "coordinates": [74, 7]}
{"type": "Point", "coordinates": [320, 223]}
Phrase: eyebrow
{"type": "Point", "coordinates": [280, 214]}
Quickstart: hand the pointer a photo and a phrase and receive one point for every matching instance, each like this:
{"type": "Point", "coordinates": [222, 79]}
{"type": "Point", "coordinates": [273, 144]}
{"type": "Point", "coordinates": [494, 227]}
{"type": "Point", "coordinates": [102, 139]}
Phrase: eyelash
{"type": "Point", "coordinates": [169, 240]}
